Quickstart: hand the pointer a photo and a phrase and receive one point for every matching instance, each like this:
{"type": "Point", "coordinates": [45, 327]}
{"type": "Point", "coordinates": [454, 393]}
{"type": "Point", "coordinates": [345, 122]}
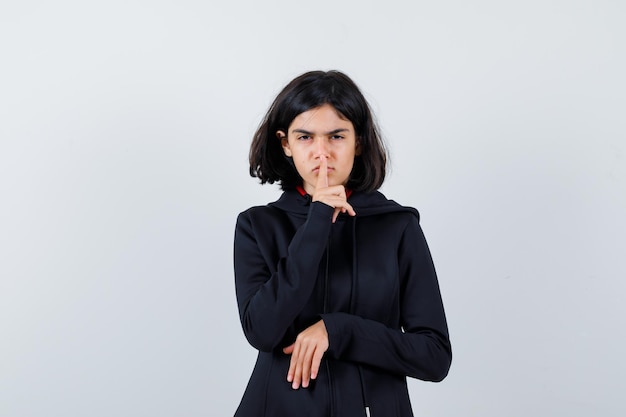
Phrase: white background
{"type": "Point", "coordinates": [124, 133]}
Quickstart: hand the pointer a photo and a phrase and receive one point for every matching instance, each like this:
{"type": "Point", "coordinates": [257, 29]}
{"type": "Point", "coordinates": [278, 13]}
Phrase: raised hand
{"type": "Point", "coordinates": [306, 355]}
{"type": "Point", "coordinates": [334, 196]}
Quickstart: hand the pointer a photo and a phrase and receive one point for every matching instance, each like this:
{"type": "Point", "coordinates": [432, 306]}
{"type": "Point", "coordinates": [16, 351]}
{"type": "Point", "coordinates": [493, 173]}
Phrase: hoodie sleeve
{"type": "Point", "coordinates": [421, 347]}
{"type": "Point", "coordinates": [271, 296]}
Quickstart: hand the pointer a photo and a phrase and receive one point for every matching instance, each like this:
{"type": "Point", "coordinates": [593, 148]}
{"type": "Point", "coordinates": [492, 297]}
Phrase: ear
{"type": "Point", "coordinates": [357, 149]}
{"type": "Point", "coordinates": [284, 142]}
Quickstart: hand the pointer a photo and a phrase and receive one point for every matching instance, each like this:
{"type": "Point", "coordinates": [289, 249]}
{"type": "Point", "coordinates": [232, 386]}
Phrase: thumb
{"type": "Point", "coordinates": [289, 349]}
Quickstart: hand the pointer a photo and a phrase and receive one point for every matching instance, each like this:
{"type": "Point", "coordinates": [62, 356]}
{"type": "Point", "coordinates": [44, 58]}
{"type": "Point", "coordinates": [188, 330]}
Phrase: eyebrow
{"type": "Point", "coordinates": [332, 132]}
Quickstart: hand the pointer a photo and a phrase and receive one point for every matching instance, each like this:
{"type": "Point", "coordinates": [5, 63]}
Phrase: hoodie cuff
{"type": "Point", "coordinates": [337, 334]}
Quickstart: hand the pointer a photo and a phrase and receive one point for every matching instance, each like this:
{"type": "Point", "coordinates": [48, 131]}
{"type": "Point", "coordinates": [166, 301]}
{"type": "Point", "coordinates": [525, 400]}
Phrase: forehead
{"type": "Point", "coordinates": [322, 117]}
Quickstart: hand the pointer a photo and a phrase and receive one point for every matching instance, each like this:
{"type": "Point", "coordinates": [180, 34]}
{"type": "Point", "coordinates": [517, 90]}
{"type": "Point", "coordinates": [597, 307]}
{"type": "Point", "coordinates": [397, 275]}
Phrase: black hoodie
{"type": "Point", "coordinates": [370, 278]}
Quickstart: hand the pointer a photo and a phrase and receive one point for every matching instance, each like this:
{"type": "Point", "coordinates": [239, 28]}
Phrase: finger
{"type": "Point", "coordinates": [343, 208]}
{"type": "Point", "coordinates": [293, 363]}
{"type": "Point", "coordinates": [288, 350]}
{"type": "Point", "coordinates": [297, 374]}
{"type": "Point", "coordinates": [306, 366]}
{"type": "Point", "coordinates": [338, 200]}
{"type": "Point", "coordinates": [316, 362]}
{"type": "Point", "coordinates": [322, 173]}
{"type": "Point", "coordinates": [350, 210]}
{"type": "Point", "coordinates": [295, 369]}
{"type": "Point", "coordinates": [346, 207]}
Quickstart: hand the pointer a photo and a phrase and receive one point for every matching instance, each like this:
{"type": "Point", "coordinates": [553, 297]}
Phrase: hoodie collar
{"type": "Point", "coordinates": [297, 201]}
{"type": "Point", "coordinates": [300, 189]}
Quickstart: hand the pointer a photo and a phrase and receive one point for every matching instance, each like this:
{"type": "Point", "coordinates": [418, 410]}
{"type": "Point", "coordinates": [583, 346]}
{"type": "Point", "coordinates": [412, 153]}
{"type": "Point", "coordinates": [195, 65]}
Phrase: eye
{"type": "Point", "coordinates": [336, 137]}
{"type": "Point", "coordinates": [304, 137]}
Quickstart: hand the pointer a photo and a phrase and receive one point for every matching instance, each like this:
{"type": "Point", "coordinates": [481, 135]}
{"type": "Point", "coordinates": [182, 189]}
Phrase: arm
{"type": "Point", "coordinates": [271, 296]}
{"type": "Point", "coordinates": [422, 348]}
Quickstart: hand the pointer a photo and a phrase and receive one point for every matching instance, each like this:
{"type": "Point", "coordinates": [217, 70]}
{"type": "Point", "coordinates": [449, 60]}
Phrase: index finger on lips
{"type": "Point", "coordinates": [322, 173]}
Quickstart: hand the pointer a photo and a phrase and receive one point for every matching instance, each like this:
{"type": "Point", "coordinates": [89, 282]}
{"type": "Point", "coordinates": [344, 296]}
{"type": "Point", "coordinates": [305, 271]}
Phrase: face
{"type": "Point", "coordinates": [316, 133]}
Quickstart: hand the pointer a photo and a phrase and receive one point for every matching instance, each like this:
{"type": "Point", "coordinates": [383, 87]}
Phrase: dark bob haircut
{"type": "Point", "coordinates": [310, 90]}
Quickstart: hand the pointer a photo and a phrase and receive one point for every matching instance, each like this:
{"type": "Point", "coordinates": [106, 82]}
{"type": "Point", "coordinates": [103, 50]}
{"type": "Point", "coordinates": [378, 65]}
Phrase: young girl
{"type": "Point", "coordinates": [335, 283]}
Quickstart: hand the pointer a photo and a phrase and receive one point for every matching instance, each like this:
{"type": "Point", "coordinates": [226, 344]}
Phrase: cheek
{"type": "Point", "coordinates": [300, 166]}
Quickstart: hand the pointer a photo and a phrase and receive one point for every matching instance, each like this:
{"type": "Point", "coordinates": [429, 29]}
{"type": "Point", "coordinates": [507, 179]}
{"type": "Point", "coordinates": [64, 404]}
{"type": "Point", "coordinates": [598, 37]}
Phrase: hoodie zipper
{"type": "Point", "coordinates": [325, 310]}
{"type": "Point", "coordinates": [352, 308]}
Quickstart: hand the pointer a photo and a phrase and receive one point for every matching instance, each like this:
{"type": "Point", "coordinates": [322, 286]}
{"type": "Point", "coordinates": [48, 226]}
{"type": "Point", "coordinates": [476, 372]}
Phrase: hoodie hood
{"type": "Point", "coordinates": [365, 204]}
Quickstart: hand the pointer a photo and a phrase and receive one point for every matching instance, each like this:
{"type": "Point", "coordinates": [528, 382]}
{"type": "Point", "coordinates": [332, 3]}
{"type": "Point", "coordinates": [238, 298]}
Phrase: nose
{"type": "Point", "coordinates": [321, 147]}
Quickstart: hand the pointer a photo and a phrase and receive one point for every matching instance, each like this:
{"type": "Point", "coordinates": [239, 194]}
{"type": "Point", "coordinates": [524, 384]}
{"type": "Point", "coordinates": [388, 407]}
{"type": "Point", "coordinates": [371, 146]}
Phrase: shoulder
{"type": "Point", "coordinates": [257, 214]}
{"type": "Point", "coordinates": [290, 203]}
{"type": "Point", "coordinates": [273, 215]}
{"type": "Point", "coordinates": [376, 204]}
{"type": "Point", "coordinates": [258, 211]}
